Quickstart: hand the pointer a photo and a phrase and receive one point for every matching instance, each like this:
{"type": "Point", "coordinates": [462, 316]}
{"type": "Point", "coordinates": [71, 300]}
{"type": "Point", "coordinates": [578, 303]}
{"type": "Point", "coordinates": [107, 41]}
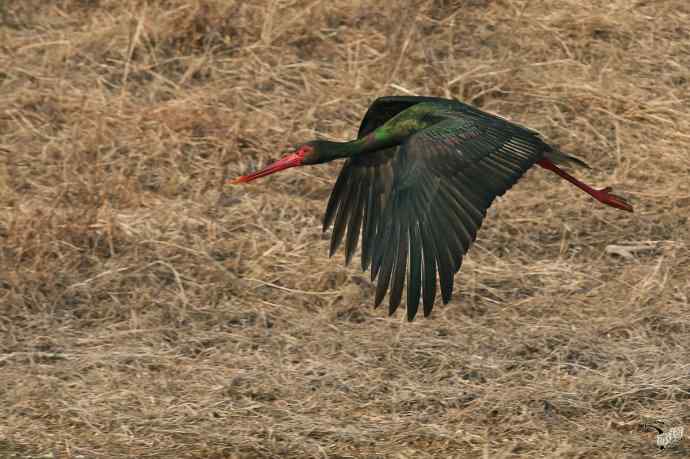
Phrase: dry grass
{"type": "Point", "coordinates": [147, 311]}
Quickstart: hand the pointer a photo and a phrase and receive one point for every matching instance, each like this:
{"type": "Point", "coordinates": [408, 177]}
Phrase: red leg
{"type": "Point", "coordinates": [604, 195]}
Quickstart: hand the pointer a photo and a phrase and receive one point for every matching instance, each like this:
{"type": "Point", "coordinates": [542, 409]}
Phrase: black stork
{"type": "Point", "coordinates": [417, 183]}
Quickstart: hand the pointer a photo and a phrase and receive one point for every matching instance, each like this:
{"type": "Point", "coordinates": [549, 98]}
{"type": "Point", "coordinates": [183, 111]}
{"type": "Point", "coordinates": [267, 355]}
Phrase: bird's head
{"type": "Point", "coordinates": [309, 153]}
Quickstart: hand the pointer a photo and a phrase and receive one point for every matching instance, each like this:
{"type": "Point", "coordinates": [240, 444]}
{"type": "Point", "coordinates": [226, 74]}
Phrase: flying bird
{"type": "Point", "coordinates": [416, 185]}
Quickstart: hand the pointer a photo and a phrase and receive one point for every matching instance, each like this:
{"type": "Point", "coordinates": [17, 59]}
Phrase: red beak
{"type": "Point", "coordinates": [291, 160]}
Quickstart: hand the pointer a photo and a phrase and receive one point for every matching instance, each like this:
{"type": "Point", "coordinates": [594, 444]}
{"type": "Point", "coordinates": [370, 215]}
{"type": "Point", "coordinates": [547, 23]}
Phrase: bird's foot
{"type": "Point", "coordinates": [605, 196]}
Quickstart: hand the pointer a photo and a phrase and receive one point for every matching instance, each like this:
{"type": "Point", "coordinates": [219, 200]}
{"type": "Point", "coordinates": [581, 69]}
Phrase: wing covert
{"type": "Point", "coordinates": [385, 108]}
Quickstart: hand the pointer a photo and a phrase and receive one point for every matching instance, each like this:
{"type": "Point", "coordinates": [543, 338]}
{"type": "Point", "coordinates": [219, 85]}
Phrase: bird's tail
{"type": "Point", "coordinates": [557, 156]}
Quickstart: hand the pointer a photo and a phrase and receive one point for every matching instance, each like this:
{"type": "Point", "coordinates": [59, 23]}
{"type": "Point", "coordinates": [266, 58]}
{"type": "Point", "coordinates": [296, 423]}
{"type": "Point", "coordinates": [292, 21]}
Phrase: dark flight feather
{"type": "Point", "coordinates": [355, 223]}
{"type": "Point", "coordinates": [414, 276]}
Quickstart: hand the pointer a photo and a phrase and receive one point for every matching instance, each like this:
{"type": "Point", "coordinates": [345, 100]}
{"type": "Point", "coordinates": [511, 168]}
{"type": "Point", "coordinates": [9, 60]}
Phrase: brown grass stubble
{"type": "Point", "coordinates": [149, 311]}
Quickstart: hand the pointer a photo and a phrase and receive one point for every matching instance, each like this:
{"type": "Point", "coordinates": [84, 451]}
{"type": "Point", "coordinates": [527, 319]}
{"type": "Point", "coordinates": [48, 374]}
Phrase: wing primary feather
{"type": "Point", "coordinates": [448, 226]}
{"type": "Point", "coordinates": [371, 219]}
{"type": "Point", "coordinates": [389, 255]}
{"type": "Point", "coordinates": [428, 260]}
{"type": "Point", "coordinates": [336, 194]}
{"type": "Point", "coordinates": [526, 143]}
{"type": "Point", "coordinates": [464, 223]}
{"type": "Point", "coordinates": [505, 178]}
{"type": "Point", "coordinates": [427, 192]}
{"type": "Point", "coordinates": [499, 166]}
{"type": "Point", "coordinates": [342, 214]}
{"type": "Point", "coordinates": [414, 276]}
{"type": "Point", "coordinates": [466, 183]}
{"type": "Point", "coordinates": [475, 216]}
{"type": "Point", "coordinates": [429, 272]}
{"type": "Point", "coordinates": [463, 196]}
{"type": "Point", "coordinates": [398, 279]}
{"type": "Point", "coordinates": [355, 223]}
{"type": "Point", "coordinates": [444, 263]}
{"type": "Point", "coordinates": [513, 163]}
{"type": "Point", "coordinates": [488, 177]}
{"type": "Point", "coordinates": [509, 158]}
{"type": "Point", "coordinates": [444, 227]}
{"type": "Point", "coordinates": [383, 239]}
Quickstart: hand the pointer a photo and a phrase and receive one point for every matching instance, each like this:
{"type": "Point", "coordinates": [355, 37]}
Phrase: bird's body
{"type": "Point", "coordinates": [416, 186]}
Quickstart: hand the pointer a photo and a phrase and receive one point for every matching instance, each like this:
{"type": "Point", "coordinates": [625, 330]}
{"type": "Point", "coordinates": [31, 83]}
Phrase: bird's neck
{"type": "Point", "coordinates": [371, 142]}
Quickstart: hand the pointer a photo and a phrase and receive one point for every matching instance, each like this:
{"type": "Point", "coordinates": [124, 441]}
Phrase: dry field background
{"type": "Point", "coordinates": [148, 311]}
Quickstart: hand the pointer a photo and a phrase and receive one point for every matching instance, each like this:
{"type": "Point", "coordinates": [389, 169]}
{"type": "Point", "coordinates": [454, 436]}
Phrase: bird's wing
{"type": "Point", "coordinates": [431, 193]}
{"type": "Point", "coordinates": [445, 178]}
{"type": "Point", "coordinates": [419, 206]}
{"type": "Point", "coordinates": [385, 108]}
{"type": "Point", "coordinates": [361, 191]}
{"type": "Point", "coordinates": [358, 198]}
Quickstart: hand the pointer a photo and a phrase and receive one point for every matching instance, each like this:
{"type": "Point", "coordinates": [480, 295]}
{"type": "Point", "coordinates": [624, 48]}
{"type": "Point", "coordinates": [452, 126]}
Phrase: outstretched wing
{"type": "Point", "coordinates": [419, 206]}
{"type": "Point", "coordinates": [446, 177]}
{"type": "Point", "coordinates": [362, 188]}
